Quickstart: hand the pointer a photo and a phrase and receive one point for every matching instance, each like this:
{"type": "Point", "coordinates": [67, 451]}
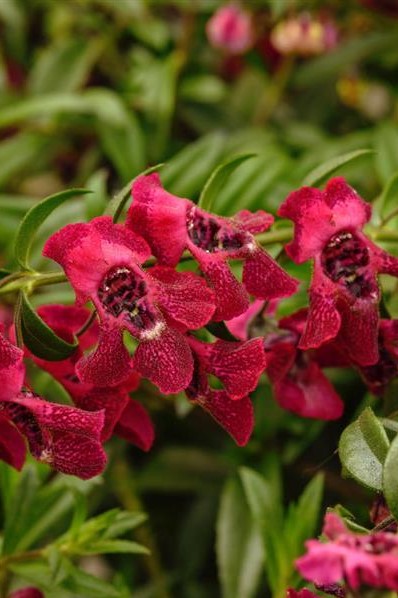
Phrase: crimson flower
{"type": "Point", "coordinates": [64, 437]}
{"type": "Point", "coordinates": [123, 415]}
{"type": "Point", "coordinates": [357, 559]}
{"type": "Point", "coordinates": [231, 29]}
{"type": "Point", "coordinates": [29, 592]}
{"type": "Point", "coordinates": [238, 366]}
{"type": "Point", "coordinates": [304, 593]}
{"type": "Point", "coordinates": [379, 375]}
{"type": "Point", "coordinates": [103, 263]}
{"type": "Point", "coordinates": [297, 380]}
{"type": "Point", "coordinates": [160, 216]}
{"type": "Point", "coordinates": [344, 293]}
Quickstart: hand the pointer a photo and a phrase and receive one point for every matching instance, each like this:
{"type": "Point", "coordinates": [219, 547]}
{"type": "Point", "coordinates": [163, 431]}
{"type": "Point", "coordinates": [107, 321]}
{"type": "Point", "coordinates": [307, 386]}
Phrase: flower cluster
{"type": "Point", "coordinates": [128, 272]}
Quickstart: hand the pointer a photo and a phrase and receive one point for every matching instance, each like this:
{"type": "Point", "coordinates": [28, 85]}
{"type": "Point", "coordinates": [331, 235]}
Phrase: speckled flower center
{"type": "Point", "coordinates": [123, 291]}
{"type": "Point", "coordinates": [345, 260]}
{"type": "Point", "coordinates": [207, 234]}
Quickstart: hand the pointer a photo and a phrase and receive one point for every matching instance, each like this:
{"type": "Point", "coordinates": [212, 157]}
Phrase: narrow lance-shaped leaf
{"type": "Point", "coordinates": [39, 338]}
{"type": "Point", "coordinates": [217, 180]}
{"type": "Point", "coordinates": [34, 218]}
{"type": "Point", "coordinates": [322, 172]}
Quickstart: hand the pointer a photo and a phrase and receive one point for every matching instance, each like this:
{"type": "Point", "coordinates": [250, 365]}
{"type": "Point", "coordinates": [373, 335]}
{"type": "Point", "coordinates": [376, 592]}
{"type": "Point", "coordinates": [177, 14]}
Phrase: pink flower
{"type": "Point", "coordinates": [27, 593]}
{"type": "Point", "coordinates": [103, 263]}
{"type": "Point", "coordinates": [238, 366]}
{"type": "Point", "coordinates": [231, 29]}
{"type": "Point", "coordinates": [123, 415]}
{"type": "Point", "coordinates": [356, 559]}
{"type": "Point", "coordinates": [160, 216]}
{"type": "Point", "coordinates": [297, 379]}
{"type": "Point", "coordinates": [65, 437]}
{"type": "Point", "coordinates": [344, 293]}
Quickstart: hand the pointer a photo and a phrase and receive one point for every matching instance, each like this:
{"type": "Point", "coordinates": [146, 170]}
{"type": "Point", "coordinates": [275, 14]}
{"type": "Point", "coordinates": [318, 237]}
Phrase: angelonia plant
{"type": "Point", "coordinates": [169, 292]}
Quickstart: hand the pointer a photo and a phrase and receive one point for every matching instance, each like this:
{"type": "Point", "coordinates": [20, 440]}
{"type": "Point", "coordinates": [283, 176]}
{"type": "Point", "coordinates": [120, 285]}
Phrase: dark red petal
{"type": "Point", "coordinates": [27, 593]}
{"type": "Point", "coordinates": [136, 426]}
{"type": "Point", "coordinates": [166, 361]}
{"type": "Point", "coordinates": [12, 444]}
{"type": "Point", "coordinates": [109, 364]}
{"type": "Point", "coordinates": [12, 370]}
{"type": "Point", "coordinates": [231, 296]}
{"type": "Point", "coordinates": [359, 331]}
{"type": "Point", "coordinates": [159, 217]}
{"type": "Point", "coordinates": [323, 322]}
{"type": "Point", "coordinates": [311, 215]}
{"type": "Point", "coordinates": [61, 243]}
{"type": "Point", "coordinates": [63, 436]}
{"type": "Point", "coordinates": [236, 417]}
{"type": "Point", "coordinates": [280, 357]}
{"type": "Point", "coordinates": [121, 235]}
{"type": "Point", "coordinates": [184, 297]}
{"type": "Point", "coordinates": [238, 365]}
{"type": "Point", "coordinates": [265, 279]}
{"type": "Point", "coordinates": [254, 222]}
{"type": "Point", "coordinates": [309, 394]}
{"type": "Point", "coordinates": [111, 400]}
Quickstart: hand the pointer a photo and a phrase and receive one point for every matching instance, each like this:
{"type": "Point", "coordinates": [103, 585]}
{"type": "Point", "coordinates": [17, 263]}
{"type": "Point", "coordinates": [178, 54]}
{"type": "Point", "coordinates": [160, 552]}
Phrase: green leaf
{"type": "Point", "coordinates": [39, 338]}
{"type": "Point", "coordinates": [34, 218]}
{"type": "Point", "coordinates": [362, 448]}
{"type": "Point", "coordinates": [388, 200]}
{"type": "Point", "coordinates": [238, 544]}
{"type": "Point", "coordinates": [81, 583]}
{"type": "Point", "coordinates": [322, 172]}
{"type": "Point", "coordinates": [386, 146]}
{"type": "Point", "coordinates": [302, 518]}
{"type": "Point", "coordinates": [96, 201]}
{"type": "Point", "coordinates": [390, 478]}
{"type": "Point", "coordinates": [111, 546]}
{"type": "Point", "coordinates": [19, 153]}
{"type": "Point", "coordinates": [217, 180]}
{"type": "Point", "coordinates": [17, 516]}
{"type": "Point", "coordinates": [267, 514]}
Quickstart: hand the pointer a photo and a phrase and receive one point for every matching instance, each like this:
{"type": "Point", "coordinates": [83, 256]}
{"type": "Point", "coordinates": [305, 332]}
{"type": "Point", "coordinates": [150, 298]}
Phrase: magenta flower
{"type": "Point", "coordinates": [231, 29]}
{"type": "Point", "coordinates": [298, 382]}
{"type": "Point", "coordinates": [123, 415]}
{"type": "Point", "coordinates": [160, 216]}
{"type": "Point", "coordinates": [356, 559]}
{"type": "Point", "coordinates": [29, 592]}
{"type": "Point", "coordinates": [238, 366]}
{"type": "Point", "coordinates": [102, 261]}
{"type": "Point", "coordinates": [64, 437]}
{"type": "Point", "coordinates": [344, 293]}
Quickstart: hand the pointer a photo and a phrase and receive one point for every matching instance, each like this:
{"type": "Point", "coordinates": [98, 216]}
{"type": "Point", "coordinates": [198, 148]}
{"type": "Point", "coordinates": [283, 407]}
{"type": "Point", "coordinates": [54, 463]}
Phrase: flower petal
{"type": "Point", "coordinates": [136, 426]}
{"type": "Point", "coordinates": [184, 297]}
{"type": "Point", "coordinates": [66, 437]}
{"type": "Point", "coordinates": [236, 417]}
{"type": "Point", "coordinates": [237, 365]}
{"type": "Point", "coordinates": [110, 400]}
{"type": "Point", "coordinates": [109, 364]}
{"type": "Point", "coordinates": [12, 370]}
{"type": "Point", "coordinates": [119, 234]}
{"type": "Point", "coordinates": [158, 216]}
{"type": "Point", "coordinates": [166, 361]}
{"type": "Point", "coordinates": [309, 393]}
{"type": "Point", "coordinates": [231, 296]}
{"type": "Point", "coordinates": [323, 322]}
{"type": "Point", "coordinates": [359, 331]}
{"type": "Point", "coordinates": [29, 592]}
{"type": "Point", "coordinates": [12, 444]}
{"type": "Point", "coordinates": [254, 222]}
{"type": "Point", "coordinates": [265, 279]}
